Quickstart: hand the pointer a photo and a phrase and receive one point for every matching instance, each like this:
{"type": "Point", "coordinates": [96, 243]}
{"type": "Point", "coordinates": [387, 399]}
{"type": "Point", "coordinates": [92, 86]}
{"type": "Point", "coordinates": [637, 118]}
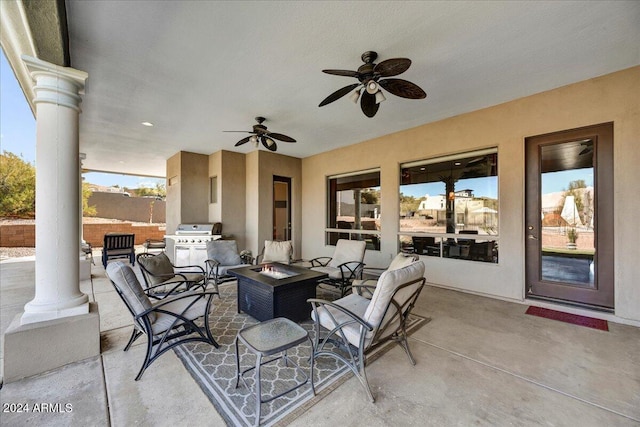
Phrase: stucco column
{"type": "Point", "coordinates": [57, 103]}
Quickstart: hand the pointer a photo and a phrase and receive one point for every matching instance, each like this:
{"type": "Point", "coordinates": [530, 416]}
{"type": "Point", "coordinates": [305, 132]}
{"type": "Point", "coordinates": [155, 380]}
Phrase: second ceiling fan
{"type": "Point", "coordinates": [371, 78]}
{"type": "Point", "coordinates": [262, 135]}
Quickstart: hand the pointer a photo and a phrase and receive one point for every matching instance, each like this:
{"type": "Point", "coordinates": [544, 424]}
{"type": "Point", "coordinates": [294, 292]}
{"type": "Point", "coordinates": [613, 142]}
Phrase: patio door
{"type": "Point", "coordinates": [569, 216]}
{"type": "Point", "coordinates": [281, 208]}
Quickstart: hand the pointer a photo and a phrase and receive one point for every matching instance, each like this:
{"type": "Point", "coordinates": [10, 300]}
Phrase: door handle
{"type": "Point", "coordinates": [532, 237]}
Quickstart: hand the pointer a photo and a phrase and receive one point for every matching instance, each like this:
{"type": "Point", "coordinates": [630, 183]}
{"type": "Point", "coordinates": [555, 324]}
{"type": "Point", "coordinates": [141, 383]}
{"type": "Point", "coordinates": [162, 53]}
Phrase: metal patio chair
{"type": "Point", "coordinates": [162, 278]}
{"type": "Point", "coordinates": [345, 265]}
{"type": "Point", "coordinates": [222, 256]}
{"type": "Point", "coordinates": [166, 323]}
{"type": "Point", "coordinates": [354, 325]}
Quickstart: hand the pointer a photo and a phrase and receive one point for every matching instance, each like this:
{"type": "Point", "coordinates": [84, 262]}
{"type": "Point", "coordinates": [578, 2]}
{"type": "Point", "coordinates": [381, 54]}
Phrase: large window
{"type": "Point", "coordinates": [354, 208]}
{"type": "Point", "coordinates": [449, 206]}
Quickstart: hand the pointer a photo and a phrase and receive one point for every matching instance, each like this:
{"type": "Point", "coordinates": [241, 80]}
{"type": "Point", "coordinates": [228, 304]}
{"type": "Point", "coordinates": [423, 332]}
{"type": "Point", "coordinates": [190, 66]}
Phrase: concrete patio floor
{"type": "Point", "coordinates": [480, 361]}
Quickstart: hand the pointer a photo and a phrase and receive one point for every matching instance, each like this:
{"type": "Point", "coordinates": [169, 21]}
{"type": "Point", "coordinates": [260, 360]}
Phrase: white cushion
{"type": "Point", "coordinates": [348, 251]}
{"type": "Point", "coordinates": [387, 284]}
{"type": "Point", "coordinates": [334, 273]}
{"type": "Point", "coordinates": [401, 260]}
{"type": "Point", "coordinates": [352, 302]}
{"type": "Point", "coordinates": [277, 251]}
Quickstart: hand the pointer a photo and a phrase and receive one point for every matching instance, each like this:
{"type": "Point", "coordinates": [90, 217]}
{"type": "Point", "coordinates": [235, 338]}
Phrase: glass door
{"type": "Point", "coordinates": [569, 216]}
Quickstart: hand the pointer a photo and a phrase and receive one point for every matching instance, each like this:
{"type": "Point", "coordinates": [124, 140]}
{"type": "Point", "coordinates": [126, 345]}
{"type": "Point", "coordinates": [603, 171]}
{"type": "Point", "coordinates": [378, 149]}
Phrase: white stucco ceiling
{"type": "Point", "coordinates": [196, 68]}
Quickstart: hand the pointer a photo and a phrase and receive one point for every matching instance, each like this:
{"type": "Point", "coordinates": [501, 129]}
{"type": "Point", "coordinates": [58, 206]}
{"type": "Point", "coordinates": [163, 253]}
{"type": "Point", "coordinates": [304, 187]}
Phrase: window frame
{"type": "Point", "coordinates": [438, 248]}
{"type": "Point", "coordinates": [330, 214]}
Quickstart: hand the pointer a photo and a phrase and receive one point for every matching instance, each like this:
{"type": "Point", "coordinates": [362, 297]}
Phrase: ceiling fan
{"type": "Point", "coordinates": [262, 135]}
{"type": "Point", "coordinates": [371, 78]}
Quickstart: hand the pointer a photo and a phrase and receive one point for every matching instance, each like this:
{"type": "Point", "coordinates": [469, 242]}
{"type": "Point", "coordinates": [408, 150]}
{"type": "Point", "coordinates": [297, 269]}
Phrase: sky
{"type": "Point", "coordinates": [18, 132]}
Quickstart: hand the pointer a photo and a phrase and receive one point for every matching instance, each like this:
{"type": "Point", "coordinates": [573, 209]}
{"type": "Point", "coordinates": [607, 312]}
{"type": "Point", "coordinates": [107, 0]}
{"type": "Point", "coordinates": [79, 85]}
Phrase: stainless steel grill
{"type": "Point", "coordinates": [188, 246]}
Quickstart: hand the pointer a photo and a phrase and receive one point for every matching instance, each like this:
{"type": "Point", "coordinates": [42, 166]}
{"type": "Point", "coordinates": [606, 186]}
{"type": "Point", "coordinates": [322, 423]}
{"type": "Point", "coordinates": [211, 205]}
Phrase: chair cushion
{"type": "Point", "coordinates": [401, 260]}
{"type": "Point", "coordinates": [277, 251]}
{"type": "Point", "coordinates": [348, 251]}
{"type": "Point", "coordinates": [387, 284]}
{"type": "Point", "coordinates": [164, 321]}
{"type": "Point", "coordinates": [127, 283]}
{"type": "Point", "coordinates": [352, 302]}
{"type": "Point", "coordinates": [158, 265]}
{"type": "Point", "coordinates": [224, 251]}
{"type": "Point", "coordinates": [191, 277]}
{"type": "Point", "coordinates": [334, 273]}
{"type": "Point", "coordinates": [224, 269]}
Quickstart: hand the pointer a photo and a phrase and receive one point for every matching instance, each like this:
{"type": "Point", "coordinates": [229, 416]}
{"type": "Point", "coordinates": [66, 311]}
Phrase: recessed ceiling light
{"type": "Point", "coordinates": [457, 163]}
{"type": "Point", "coordinates": [149, 124]}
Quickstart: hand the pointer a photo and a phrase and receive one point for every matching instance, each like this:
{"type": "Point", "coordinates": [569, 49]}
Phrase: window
{"type": "Point", "coordinates": [444, 198]}
{"type": "Point", "coordinates": [354, 208]}
{"type": "Point", "coordinates": [213, 189]}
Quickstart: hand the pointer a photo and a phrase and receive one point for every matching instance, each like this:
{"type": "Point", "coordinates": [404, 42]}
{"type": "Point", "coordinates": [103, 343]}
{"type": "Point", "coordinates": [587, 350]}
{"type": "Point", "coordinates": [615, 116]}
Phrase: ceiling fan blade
{"type": "Point", "coordinates": [242, 141]}
{"type": "Point", "coordinates": [345, 73]}
{"type": "Point", "coordinates": [338, 94]}
{"type": "Point", "coordinates": [403, 88]}
{"type": "Point", "coordinates": [368, 104]}
{"type": "Point", "coordinates": [392, 67]}
{"type": "Point", "coordinates": [272, 147]}
{"type": "Point", "coordinates": [281, 137]}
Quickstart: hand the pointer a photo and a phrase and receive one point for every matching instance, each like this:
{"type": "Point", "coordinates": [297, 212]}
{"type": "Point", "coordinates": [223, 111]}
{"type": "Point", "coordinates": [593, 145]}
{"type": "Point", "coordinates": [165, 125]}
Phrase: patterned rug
{"type": "Point", "coordinates": [215, 369]}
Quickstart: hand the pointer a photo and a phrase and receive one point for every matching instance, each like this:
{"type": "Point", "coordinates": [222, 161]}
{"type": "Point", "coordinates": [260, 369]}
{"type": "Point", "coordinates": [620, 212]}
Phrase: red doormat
{"type": "Point", "coordinates": [589, 322]}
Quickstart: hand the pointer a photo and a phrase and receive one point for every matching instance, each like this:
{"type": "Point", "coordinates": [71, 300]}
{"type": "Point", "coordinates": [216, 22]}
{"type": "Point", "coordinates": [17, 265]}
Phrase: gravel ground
{"type": "Point", "coordinates": [16, 252]}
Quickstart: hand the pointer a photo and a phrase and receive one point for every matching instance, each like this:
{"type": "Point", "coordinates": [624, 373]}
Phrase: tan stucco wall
{"type": "Point", "coordinates": [611, 98]}
{"type": "Point", "coordinates": [229, 168]}
{"type": "Point", "coordinates": [187, 189]}
{"type": "Point", "coordinates": [261, 166]}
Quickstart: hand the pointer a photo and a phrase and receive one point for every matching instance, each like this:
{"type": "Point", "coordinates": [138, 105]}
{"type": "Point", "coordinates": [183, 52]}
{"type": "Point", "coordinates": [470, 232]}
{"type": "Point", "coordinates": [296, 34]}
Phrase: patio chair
{"type": "Point", "coordinates": [276, 251]}
{"type": "Point", "coordinates": [118, 246]}
{"type": "Point", "coordinates": [222, 256]}
{"type": "Point", "coordinates": [345, 265]}
{"type": "Point", "coordinates": [354, 325]}
{"type": "Point", "coordinates": [154, 245]}
{"type": "Point", "coordinates": [166, 323]}
{"type": "Point", "coordinates": [366, 287]}
{"type": "Point", "coordinates": [163, 278]}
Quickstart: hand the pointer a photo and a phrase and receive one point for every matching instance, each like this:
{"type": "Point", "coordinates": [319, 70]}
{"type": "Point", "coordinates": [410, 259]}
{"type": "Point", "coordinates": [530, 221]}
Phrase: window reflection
{"type": "Point", "coordinates": [354, 208]}
{"type": "Point", "coordinates": [452, 195]}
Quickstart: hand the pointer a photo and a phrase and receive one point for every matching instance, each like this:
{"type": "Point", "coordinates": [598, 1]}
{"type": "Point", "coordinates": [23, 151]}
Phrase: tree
{"type": "Point", "coordinates": [409, 203]}
{"type": "Point", "coordinates": [159, 191]}
{"type": "Point", "coordinates": [86, 193]}
{"type": "Point", "coordinates": [370, 197]}
{"type": "Point", "coordinates": [17, 186]}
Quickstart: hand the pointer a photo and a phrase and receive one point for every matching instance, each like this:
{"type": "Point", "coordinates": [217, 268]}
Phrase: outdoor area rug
{"type": "Point", "coordinates": [589, 322]}
{"type": "Point", "coordinates": [215, 369]}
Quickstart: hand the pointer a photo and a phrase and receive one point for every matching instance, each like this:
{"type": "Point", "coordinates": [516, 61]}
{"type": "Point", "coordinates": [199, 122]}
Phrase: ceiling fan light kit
{"type": "Point", "coordinates": [374, 77]}
{"type": "Point", "coordinates": [261, 134]}
{"type": "Point", "coordinates": [371, 77]}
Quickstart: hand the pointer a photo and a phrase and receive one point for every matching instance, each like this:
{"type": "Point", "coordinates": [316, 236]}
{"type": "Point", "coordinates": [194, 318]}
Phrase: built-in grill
{"type": "Point", "coordinates": [188, 246]}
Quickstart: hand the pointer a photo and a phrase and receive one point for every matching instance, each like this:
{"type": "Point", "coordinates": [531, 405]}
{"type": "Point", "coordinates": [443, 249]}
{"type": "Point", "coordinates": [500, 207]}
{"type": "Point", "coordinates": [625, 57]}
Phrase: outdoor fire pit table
{"type": "Point", "coordinates": [276, 290]}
